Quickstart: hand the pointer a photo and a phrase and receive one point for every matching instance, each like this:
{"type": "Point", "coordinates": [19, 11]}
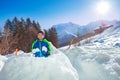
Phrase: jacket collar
{"type": "Point", "coordinates": [40, 40]}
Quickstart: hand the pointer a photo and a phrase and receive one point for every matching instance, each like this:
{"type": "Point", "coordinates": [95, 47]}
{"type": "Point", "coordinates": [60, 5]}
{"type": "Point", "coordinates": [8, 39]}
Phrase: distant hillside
{"type": "Point", "coordinates": [68, 31]}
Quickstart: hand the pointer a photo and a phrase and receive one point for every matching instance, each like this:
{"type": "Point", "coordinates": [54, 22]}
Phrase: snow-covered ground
{"type": "Point", "coordinates": [2, 60]}
{"type": "Point", "coordinates": [98, 60]}
{"type": "Point", "coordinates": [26, 67]}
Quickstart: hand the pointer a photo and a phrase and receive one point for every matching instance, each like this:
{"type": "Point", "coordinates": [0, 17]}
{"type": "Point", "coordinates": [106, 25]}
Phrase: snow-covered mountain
{"type": "Point", "coordinates": [69, 27]}
{"type": "Point", "coordinates": [67, 31]}
{"type": "Point", "coordinates": [92, 25]}
{"type": "Point", "coordinates": [64, 39]}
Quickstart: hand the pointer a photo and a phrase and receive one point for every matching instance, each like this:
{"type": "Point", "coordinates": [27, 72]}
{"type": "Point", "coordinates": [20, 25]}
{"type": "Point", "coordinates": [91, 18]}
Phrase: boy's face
{"type": "Point", "coordinates": [40, 36]}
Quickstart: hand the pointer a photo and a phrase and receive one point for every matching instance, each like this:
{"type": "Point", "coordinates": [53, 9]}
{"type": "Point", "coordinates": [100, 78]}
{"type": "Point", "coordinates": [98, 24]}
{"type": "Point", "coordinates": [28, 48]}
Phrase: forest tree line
{"type": "Point", "coordinates": [19, 34]}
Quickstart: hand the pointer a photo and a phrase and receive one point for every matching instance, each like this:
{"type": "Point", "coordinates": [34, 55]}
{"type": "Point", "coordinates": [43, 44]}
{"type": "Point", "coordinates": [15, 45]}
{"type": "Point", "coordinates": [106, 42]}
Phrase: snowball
{"type": "Point", "coordinates": [35, 50]}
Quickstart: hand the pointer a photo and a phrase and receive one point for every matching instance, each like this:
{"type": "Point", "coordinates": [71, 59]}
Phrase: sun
{"type": "Point", "coordinates": [103, 7]}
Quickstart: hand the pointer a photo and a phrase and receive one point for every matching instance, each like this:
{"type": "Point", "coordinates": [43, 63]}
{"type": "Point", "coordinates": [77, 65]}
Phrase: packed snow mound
{"type": "Point", "coordinates": [26, 67]}
{"type": "Point", "coordinates": [98, 60]}
{"type": "Point", "coordinates": [2, 60]}
{"type": "Point", "coordinates": [94, 63]}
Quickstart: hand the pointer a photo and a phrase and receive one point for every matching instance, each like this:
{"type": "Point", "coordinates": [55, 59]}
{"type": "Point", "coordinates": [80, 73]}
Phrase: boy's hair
{"type": "Point", "coordinates": [41, 31]}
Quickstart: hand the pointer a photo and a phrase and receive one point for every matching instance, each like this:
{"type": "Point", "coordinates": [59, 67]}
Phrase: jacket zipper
{"type": "Point", "coordinates": [40, 49]}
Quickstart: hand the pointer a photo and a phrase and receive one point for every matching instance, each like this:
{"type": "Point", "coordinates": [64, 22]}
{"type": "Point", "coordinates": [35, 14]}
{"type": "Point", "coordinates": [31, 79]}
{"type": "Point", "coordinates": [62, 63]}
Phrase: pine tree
{"type": "Point", "coordinates": [8, 26]}
{"type": "Point", "coordinates": [53, 36]}
{"type": "Point", "coordinates": [15, 21]}
{"type": "Point", "coordinates": [38, 25]}
{"type": "Point", "coordinates": [46, 35]}
{"type": "Point", "coordinates": [19, 36]}
{"type": "Point", "coordinates": [28, 22]}
{"type": "Point", "coordinates": [35, 26]}
{"type": "Point", "coordinates": [23, 22]}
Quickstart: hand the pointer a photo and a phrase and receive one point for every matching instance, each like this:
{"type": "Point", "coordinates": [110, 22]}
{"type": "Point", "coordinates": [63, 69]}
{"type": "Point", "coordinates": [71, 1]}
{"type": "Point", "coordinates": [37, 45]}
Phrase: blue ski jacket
{"type": "Point", "coordinates": [43, 46]}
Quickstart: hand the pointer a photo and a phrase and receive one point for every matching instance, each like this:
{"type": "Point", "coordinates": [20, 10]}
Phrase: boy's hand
{"type": "Point", "coordinates": [35, 50]}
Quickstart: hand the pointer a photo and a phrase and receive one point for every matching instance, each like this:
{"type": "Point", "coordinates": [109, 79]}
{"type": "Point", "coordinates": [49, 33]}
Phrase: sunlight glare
{"type": "Point", "coordinates": [103, 7]}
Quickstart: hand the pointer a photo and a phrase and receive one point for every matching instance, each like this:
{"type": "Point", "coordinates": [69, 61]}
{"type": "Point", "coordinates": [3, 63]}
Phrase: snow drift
{"type": "Point", "coordinates": [100, 59]}
{"type": "Point", "coordinates": [2, 60]}
{"type": "Point", "coordinates": [27, 67]}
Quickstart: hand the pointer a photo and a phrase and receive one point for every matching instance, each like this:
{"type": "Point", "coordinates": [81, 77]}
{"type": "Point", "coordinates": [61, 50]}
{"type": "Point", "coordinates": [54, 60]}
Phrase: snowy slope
{"type": "Point", "coordinates": [100, 59]}
{"type": "Point", "coordinates": [109, 38]}
{"type": "Point", "coordinates": [93, 25]}
{"type": "Point", "coordinates": [26, 67]}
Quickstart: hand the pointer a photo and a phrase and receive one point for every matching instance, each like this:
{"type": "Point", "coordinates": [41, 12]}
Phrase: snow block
{"type": "Point", "coordinates": [55, 67]}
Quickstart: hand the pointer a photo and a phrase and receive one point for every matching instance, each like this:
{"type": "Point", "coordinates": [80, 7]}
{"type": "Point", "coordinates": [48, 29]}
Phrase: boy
{"type": "Point", "coordinates": [41, 47]}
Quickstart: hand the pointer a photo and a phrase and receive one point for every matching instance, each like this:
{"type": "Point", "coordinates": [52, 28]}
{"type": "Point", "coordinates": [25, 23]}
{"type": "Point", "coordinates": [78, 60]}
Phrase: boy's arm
{"type": "Point", "coordinates": [49, 48]}
{"type": "Point", "coordinates": [33, 45]}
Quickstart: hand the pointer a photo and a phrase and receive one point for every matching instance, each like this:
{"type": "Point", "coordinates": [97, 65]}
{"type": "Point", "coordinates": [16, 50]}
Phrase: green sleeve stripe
{"type": "Point", "coordinates": [49, 46]}
{"type": "Point", "coordinates": [33, 44]}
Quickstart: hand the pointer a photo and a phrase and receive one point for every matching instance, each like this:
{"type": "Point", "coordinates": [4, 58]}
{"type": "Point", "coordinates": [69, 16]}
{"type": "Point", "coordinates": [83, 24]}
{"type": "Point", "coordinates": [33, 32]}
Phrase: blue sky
{"type": "Point", "coordinates": [50, 12]}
